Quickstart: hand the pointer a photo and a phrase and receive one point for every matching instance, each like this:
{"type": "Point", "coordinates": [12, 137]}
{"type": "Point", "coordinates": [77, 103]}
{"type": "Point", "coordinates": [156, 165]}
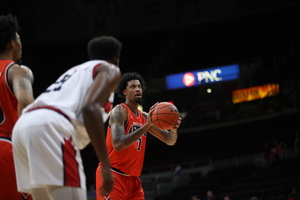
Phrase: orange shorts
{"type": "Point", "coordinates": [125, 187]}
{"type": "Point", "coordinates": [8, 183]}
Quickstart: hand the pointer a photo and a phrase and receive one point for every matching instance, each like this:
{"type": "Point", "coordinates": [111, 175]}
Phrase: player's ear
{"type": "Point", "coordinates": [10, 45]}
{"type": "Point", "coordinates": [124, 92]}
{"type": "Point", "coordinates": [117, 63]}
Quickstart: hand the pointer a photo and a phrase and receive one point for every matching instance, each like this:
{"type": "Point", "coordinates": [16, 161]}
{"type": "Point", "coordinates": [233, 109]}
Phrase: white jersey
{"type": "Point", "coordinates": [67, 94]}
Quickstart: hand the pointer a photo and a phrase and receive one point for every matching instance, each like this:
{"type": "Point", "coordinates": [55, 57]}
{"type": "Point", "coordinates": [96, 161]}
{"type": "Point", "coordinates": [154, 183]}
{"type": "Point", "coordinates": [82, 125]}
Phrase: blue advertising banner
{"type": "Point", "coordinates": [203, 76]}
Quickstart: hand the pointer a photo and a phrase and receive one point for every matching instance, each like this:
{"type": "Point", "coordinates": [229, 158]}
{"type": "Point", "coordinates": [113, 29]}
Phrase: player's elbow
{"type": "Point", "coordinates": [89, 109]}
{"type": "Point", "coordinates": [25, 101]}
{"type": "Point", "coordinates": [171, 143]}
{"type": "Point", "coordinates": [118, 147]}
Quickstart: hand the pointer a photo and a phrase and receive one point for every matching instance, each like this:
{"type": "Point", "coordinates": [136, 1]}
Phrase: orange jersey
{"type": "Point", "coordinates": [8, 101]}
{"type": "Point", "coordinates": [130, 160]}
{"type": "Point", "coordinates": [8, 117]}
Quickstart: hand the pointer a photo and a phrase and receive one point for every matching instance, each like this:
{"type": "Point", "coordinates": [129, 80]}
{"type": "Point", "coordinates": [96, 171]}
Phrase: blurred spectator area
{"type": "Point", "coordinates": [222, 111]}
{"type": "Point", "coordinates": [224, 140]}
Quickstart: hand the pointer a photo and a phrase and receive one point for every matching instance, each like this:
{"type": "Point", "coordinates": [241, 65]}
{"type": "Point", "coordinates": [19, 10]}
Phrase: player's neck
{"type": "Point", "coordinates": [133, 106]}
{"type": "Point", "coordinates": [5, 56]}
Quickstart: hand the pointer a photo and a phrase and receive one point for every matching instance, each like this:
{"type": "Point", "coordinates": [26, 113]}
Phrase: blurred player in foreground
{"type": "Point", "coordinates": [64, 119]}
{"type": "Point", "coordinates": [126, 140]}
{"type": "Point", "coordinates": [15, 94]}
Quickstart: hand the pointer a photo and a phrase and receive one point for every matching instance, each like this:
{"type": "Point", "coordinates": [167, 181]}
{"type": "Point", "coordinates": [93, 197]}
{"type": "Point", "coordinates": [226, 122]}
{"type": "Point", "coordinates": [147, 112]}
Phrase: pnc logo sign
{"type": "Point", "coordinates": [188, 79]}
{"type": "Point", "coordinates": [209, 76]}
{"type": "Point", "coordinates": [204, 76]}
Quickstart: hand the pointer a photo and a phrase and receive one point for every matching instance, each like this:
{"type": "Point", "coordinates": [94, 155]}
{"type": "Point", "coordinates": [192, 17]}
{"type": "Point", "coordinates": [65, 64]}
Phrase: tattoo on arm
{"type": "Point", "coordinates": [159, 130]}
{"type": "Point", "coordinates": [117, 116]}
{"type": "Point", "coordinates": [22, 80]}
{"type": "Point", "coordinates": [134, 136]}
{"type": "Point", "coordinates": [23, 84]}
{"type": "Point", "coordinates": [117, 125]}
{"type": "Point", "coordinates": [117, 122]}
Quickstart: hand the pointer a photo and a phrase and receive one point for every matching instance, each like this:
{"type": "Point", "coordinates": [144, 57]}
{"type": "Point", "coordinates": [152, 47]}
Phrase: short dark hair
{"type": "Point", "coordinates": [129, 76]}
{"type": "Point", "coordinates": [9, 26]}
{"type": "Point", "coordinates": [104, 48]}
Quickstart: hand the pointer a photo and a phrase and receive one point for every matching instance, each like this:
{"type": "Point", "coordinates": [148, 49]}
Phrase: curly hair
{"type": "Point", "coordinates": [129, 76]}
{"type": "Point", "coordinates": [104, 48]}
{"type": "Point", "coordinates": [9, 26]}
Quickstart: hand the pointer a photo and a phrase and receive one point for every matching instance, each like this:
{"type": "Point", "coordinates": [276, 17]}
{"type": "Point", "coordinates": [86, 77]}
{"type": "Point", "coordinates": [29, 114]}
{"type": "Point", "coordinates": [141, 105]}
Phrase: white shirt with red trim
{"type": "Point", "coordinates": [68, 92]}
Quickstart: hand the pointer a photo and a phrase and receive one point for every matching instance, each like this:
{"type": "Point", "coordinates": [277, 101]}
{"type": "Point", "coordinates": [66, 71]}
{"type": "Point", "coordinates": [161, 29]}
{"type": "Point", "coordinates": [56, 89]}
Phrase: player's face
{"type": "Point", "coordinates": [17, 48]}
{"type": "Point", "coordinates": [134, 91]}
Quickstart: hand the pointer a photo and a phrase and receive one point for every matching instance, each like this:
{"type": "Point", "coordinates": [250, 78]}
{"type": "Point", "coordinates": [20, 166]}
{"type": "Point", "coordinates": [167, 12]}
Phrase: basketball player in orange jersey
{"type": "Point", "coordinates": [15, 94]}
{"type": "Point", "coordinates": [126, 140]}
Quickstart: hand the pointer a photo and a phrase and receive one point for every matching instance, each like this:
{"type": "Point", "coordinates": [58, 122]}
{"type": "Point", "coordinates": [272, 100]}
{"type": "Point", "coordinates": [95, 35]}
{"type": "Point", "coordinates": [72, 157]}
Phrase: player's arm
{"type": "Point", "coordinates": [21, 79]}
{"type": "Point", "coordinates": [120, 140]}
{"type": "Point", "coordinates": [106, 82]}
{"type": "Point", "coordinates": [168, 137]}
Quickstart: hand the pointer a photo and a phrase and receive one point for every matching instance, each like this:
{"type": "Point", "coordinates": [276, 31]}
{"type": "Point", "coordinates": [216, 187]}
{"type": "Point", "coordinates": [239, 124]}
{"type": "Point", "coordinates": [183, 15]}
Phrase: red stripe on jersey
{"type": "Point", "coordinates": [51, 108]}
{"type": "Point", "coordinates": [95, 70]}
{"type": "Point", "coordinates": [71, 172]}
{"type": "Point", "coordinates": [108, 106]}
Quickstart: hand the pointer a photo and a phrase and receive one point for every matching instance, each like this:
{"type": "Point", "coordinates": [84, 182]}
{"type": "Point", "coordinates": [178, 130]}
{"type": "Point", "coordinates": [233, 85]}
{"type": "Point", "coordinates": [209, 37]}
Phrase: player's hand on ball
{"type": "Point", "coordinates": [150, 112]}
{"type": "Point", "coordinates": [165, 116]}
{"type": "Point", "coordinates": [177, 124]}
{"type": "Point", "coordinates": [154, 105]}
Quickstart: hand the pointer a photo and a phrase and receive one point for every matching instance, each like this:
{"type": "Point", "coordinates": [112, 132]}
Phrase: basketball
{"type": "Point", "coordinates": [165, 115]}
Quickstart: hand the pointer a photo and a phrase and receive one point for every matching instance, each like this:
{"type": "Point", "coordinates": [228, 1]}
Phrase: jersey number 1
{"type": "Point", "coordinates": [139, 141]}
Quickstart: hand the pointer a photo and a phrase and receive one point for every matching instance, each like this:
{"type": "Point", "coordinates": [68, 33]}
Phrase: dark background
{"type": "Point", "coordinates": [172, 36]}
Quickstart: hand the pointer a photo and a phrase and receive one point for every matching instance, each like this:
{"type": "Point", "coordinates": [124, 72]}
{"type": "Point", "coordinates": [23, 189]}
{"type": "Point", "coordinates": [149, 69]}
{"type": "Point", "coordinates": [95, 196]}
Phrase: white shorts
{"type": "Point", "coordinates": [45, 151]}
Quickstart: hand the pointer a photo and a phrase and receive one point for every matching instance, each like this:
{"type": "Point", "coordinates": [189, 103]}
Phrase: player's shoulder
{"type": "Point", "coordinates": [119, 111]}
{"type": "Point", "coordinates": [21, 69]}
{"type": "Point", "coordinates": [119, 108]}
{"type": "Point", "coordinates": [25, 67]}
{"type": "Point", "coordinates": [107, 67]}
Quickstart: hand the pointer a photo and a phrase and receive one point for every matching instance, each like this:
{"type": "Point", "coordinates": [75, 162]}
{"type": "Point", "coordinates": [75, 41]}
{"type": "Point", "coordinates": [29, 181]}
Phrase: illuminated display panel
{"type": "Point", "coordinates": [253, 93]}
{"type": "Point", "coordinates": [203, 76]}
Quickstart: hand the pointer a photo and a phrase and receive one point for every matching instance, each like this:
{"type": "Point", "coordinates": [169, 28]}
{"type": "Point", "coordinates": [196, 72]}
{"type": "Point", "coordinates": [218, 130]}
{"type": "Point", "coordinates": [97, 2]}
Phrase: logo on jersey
{"type": "Point", "coordinates": [135, 126]}
{"type": "Point", "coordinates": [188, 79]}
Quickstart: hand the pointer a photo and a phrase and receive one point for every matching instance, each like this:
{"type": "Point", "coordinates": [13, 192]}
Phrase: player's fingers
{"type": "Point", "coordinates": [154, 105]}
{"type": "Point", "coordinates": [108, 187]}
{"type": "Point", "coordinates": [101, 191]}
{"type": "Point", "coordinates": [104, 192]}
{"type": "Point", "coordinates": [178, 121]}
{"type": "Point", "coordinates": [150, 112]}
{"type": "Point", "coordinates": [177, 124]}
